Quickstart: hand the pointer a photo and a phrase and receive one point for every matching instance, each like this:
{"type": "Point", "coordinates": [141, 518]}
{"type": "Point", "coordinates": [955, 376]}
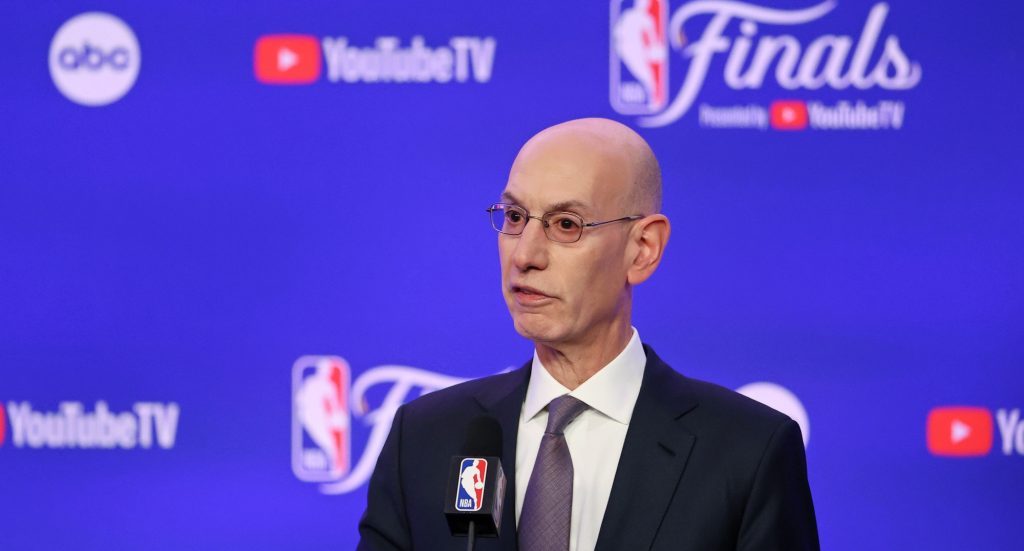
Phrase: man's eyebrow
{"type": "Point", "coordinates": [570, 205]}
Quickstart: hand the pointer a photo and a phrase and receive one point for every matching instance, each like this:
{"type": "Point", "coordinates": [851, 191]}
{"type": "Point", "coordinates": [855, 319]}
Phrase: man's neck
{"type": "Point", "coordinates": [572, 364]}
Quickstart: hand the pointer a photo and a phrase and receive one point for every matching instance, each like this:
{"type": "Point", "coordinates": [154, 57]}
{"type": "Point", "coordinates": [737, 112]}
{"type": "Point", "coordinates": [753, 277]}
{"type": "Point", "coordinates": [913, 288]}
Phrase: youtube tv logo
{"type": "Point", "coordinates": [966, 431]}
{"type": "Point", "coordinates": [287, 59]}
{"type": "Point", "coordinates": [788, 115]}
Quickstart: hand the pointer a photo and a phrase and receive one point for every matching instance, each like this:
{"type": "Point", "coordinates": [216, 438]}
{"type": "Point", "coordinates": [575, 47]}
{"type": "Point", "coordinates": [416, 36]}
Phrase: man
{"type": "Point", "coordinates": [654, 460]}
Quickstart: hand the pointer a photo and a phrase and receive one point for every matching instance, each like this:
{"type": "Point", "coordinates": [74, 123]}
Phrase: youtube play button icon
{"type": "Point", "coordinates": [959, 431]}
{"type": "Point", "coordinates": [788, 115]}
{"type": "Point", "coordinates": [287, 59]}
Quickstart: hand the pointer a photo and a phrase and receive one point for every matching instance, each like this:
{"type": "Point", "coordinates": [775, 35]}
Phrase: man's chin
{"type": "Point", "coordinates": [538, 330]}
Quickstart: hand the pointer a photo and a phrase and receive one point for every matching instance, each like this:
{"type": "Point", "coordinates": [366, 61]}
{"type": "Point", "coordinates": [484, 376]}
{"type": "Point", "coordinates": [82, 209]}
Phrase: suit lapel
{"type": "Point", "coordinates": [653, 458]}
{"type": "Point", "coordinates": [504, 402]}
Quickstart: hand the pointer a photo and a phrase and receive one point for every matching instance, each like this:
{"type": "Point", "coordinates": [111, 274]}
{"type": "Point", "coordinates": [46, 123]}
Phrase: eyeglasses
{"type": "Point", "coordinates": [563, 227]}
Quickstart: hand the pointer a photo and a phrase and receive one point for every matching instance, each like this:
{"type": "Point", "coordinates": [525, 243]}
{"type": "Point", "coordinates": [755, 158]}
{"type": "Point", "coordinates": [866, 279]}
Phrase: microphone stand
{"type": "Point", "coordinates": [471, 536]}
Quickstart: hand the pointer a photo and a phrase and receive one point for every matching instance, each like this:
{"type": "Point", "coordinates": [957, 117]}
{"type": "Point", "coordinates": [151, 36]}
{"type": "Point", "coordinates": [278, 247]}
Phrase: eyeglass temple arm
{"type": "Point", "coordinates": [633, 217]}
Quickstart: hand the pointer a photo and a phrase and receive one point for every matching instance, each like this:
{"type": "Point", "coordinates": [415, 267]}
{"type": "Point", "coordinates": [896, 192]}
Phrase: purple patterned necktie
{"type": "Point", "coordinates": [547, 508]}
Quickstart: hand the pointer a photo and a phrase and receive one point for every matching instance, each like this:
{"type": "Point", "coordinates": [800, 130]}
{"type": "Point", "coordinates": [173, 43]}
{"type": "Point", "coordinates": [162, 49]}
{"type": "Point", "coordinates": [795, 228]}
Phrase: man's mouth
{"type": "Point", "coordinates": [528, 295]}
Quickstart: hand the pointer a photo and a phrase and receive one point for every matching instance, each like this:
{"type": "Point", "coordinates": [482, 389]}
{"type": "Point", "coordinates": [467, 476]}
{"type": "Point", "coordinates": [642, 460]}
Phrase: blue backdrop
{"type": "Point", "coordinates": [214, 217]}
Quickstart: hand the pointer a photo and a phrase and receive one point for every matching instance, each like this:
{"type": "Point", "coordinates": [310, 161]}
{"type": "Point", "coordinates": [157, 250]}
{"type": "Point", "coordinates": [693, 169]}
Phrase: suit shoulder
{"type": "Point", "coordinates": [709, 399]}
{"type": "Point", "coordinates": [726, 401]}
{"type": "Point", "coordinates": [732, 424]}
{"type": "Point", "coordinates": [723, 412]}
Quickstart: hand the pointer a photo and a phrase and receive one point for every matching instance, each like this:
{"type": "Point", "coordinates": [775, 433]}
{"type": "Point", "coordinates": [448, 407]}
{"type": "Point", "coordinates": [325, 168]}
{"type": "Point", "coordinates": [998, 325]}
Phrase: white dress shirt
{"type": "Point", "coordinates": [594, 438]}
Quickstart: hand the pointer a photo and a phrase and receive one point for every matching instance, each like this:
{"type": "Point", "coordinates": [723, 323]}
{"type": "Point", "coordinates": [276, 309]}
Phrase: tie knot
{"type": "Point", "coordinates": [561, 412]}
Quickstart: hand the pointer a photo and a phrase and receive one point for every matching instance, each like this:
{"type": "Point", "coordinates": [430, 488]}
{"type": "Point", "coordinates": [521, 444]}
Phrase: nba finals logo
{"type": "Point", "coordinates": [470, 494]}
{"type": "Point", "coordinates": [321, 418]}
{"type": "Point", "coordinates": [753, 47]}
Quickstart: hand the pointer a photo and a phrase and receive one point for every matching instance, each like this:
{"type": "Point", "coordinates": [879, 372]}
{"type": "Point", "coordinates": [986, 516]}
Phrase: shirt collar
{"type": "Point", "coordinates": [612, 391]}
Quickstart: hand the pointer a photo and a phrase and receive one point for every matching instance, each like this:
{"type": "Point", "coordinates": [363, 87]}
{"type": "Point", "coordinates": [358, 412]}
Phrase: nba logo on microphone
{"type": "Point", "coordinates": [639, 56]}
{"type": "Point", "coordinates": [321, 418]}
{"type": "Point", "coordinates": [472, 475]}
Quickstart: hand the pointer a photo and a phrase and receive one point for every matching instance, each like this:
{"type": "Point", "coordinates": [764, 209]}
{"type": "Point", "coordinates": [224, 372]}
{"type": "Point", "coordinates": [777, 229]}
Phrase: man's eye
{"type": "Point", "coordinates": [566, 223]}
{"type": "Point", "coordinates": [513, 216]}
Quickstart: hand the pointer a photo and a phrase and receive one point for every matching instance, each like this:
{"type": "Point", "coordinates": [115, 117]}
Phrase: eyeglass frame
{"type": "Point", "coordinates": [543, 219]}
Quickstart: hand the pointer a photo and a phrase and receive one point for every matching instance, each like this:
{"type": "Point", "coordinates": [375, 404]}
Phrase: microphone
{"type": "Point", "coordinates": [476, 483]}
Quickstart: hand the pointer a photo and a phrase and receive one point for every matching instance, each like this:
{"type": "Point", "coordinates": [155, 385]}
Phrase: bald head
{"type": "Point", "coordinates": [607, 151]}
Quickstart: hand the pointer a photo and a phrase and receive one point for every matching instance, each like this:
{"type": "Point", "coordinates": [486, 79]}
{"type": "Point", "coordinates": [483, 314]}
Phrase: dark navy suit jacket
{"type": "Point", "coordinates": [702, 468]}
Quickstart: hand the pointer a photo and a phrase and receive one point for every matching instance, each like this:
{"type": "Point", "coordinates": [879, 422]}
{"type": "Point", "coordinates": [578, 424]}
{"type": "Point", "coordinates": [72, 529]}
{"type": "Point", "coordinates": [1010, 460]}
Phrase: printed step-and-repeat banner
{"type": "Point", "coordinates": [235, 237]}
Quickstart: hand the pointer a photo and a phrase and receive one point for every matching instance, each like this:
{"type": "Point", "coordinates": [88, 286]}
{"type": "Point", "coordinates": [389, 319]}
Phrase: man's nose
{"type": "Point", "coordinates": [531, 249]}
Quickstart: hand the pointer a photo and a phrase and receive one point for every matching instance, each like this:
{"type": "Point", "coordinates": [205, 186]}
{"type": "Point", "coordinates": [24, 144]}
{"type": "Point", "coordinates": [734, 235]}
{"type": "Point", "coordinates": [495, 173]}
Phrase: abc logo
{"type": "Point", "coordinates": [90, 57]}
{"type": "Point", "coordinates": [94, 59]}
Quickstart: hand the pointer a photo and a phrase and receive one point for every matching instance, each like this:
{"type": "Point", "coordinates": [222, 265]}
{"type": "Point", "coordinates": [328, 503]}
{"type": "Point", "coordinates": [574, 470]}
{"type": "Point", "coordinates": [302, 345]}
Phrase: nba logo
{"type": "Point", "coordinates": [639, 57]}
{"type": "Point", "coordinates": [321, 418]}
{"type": "Point", "coordinates": [472, 475]}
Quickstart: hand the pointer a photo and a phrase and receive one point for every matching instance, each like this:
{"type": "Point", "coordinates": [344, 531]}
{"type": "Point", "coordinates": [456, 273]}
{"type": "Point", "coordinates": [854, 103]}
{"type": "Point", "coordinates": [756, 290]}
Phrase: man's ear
{"type": "Point", "coordinates": [648, 240]}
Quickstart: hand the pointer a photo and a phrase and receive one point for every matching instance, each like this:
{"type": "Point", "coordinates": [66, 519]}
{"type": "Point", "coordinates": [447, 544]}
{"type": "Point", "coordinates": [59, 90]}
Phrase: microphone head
{"type": "Point", "coordinates": [483, 437]}
{"type": "Point", "coordinates": [476, 481]}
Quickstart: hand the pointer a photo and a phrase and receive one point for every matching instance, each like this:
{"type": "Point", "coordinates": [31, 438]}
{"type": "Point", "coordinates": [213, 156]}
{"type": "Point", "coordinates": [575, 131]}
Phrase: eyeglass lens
{"type": "Point", "coordinates": [563, 227]}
